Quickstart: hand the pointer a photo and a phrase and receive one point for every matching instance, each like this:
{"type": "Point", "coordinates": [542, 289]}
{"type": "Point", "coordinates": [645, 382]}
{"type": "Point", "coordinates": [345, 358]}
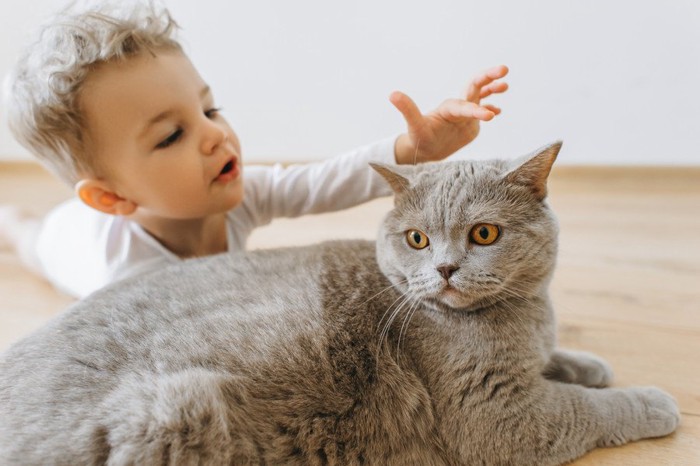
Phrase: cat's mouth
{"type": "Point", "coordinates": [449, 290]}
{"type": "Point", "coordinates": [451, 296]}
{"type": "Point", "coordinates": [455, 299]}
{"type": "Point", "coordinates": [455, 303]}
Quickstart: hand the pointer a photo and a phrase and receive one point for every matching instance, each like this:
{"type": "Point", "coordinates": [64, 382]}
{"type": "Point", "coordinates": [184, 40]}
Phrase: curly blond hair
{"type": "Point", "coordinates": [43, 91]}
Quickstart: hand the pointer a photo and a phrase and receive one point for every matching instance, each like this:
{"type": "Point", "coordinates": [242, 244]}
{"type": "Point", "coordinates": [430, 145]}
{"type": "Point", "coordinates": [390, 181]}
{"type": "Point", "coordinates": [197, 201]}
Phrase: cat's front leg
{"type": "Point", "coordinates": [545, 423]}
{"type": "Point", "coordinates": [576, 419]}
{"type": "Point", "coordinates": [578, 367]}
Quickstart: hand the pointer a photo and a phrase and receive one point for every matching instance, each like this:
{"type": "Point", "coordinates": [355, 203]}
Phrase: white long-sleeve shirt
{"type": "Point", "coordinates": [80, 249]}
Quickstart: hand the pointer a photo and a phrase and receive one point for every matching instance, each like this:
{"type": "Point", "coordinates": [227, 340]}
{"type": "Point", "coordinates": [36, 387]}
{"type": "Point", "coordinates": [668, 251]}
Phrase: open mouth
{"type": "Point", "coordinates": [228, 172]}
{"type": "Point", "coordinates": [227, 168]}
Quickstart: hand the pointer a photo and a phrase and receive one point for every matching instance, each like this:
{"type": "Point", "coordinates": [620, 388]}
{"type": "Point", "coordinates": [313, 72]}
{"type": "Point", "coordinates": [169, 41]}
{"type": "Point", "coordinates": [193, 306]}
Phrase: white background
{"type": "Point", "coordinates": [299, 80]}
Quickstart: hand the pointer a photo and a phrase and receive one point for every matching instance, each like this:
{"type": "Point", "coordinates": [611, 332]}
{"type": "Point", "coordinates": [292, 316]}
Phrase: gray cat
{"type": "Point", "coordinates": [434, 347]}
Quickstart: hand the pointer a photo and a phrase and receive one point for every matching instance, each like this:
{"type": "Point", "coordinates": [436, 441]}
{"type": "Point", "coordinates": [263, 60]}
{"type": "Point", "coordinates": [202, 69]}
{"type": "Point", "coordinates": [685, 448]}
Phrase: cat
{"type": "Point", "coordinates": [433, 345]}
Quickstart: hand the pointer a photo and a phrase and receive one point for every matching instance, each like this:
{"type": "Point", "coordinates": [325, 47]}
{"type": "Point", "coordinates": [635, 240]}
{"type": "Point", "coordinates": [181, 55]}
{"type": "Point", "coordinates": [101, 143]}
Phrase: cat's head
{"type": "Point", "coordinates": [466, 234]}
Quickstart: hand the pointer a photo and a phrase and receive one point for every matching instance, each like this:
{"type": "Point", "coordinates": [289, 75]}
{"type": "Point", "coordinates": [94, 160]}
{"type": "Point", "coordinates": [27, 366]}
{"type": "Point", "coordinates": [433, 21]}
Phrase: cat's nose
{"type": "Point", "coordinates": [446, 270]}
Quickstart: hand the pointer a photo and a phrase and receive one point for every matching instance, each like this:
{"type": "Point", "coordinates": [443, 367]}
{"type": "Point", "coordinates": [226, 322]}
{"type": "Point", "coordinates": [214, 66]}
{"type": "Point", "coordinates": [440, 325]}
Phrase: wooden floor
{"type": "Point", "coordinates": [627, 285]}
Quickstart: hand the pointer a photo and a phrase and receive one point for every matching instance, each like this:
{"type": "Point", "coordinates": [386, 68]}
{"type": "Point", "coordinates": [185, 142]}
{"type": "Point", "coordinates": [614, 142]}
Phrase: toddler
{"type": "Point", "coordinates": [108, 101]}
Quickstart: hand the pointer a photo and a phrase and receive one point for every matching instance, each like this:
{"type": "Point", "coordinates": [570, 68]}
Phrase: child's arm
{"type": "Point", "coordinates": [346, 180]}
{"type": "Point", "coordinates": [343, 181]}
{"type": "Point", "coordinates": [451, 126]}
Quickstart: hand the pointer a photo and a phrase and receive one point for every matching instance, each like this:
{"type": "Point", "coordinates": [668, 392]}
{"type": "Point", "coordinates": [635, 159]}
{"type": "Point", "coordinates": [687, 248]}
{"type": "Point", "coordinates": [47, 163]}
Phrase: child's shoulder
{"type": "Point", "coordinates": [81, 249]}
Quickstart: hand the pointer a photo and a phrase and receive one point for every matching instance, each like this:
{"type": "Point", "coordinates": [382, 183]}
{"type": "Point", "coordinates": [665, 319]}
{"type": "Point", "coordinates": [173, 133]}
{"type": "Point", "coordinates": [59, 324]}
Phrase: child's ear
{"type": "Point", "coordinates": [98, 196]}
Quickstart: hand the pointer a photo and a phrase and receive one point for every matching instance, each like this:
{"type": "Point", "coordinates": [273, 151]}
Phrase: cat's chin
{"type": "Point", "coordinates": [465, 299]}
{"type": "Point", "coordinates": [451, 297]}
{"type": "Point", "coordinates": [452, 300]}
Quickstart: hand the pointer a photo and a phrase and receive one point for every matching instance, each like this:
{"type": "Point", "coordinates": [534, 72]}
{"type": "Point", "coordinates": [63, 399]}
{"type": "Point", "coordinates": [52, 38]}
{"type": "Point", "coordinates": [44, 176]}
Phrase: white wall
{"type": "Point", "coordinates": [618, 81]}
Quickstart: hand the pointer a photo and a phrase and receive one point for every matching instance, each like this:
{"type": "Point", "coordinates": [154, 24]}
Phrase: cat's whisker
{"type": "Point", "coordinates": [514, 313]}
{"type": "Point", "coordinates": [384, 290]}
{"type": "Point", "coordinates": [411, 303]}
{"type": "Point", "coordinates": [404, 326]}
{"type": "Point", "coordinates": [517, 317]}
{"type": "Point", "coordinates": [379, 324]}
{"type": "Point", "coordinates": [394, 312]}
{"type": "Point", "coordinates": [391, 306]}
{"type": "Point", "coordinates": [511, 293]}
{"type": "Point", "coordinates": [385, 330]}
{"type": "Point", "coordinates": [517, 293]}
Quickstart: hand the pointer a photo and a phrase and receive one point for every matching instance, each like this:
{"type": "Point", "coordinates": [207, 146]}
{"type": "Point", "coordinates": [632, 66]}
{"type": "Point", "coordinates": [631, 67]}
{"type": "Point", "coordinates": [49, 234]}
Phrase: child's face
{"type": "Point", "coordinates": [158, 138]}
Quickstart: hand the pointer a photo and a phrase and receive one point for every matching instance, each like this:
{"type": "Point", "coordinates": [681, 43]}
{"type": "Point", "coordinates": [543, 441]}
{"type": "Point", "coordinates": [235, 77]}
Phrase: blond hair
{"type": "Point", "coordinates": [43, 90]}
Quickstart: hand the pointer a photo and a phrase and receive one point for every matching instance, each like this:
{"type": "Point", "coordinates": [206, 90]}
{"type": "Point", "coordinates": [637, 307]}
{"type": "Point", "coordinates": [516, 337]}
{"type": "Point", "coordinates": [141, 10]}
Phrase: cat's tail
{"type": "Point", "coordinates": [180, 418]}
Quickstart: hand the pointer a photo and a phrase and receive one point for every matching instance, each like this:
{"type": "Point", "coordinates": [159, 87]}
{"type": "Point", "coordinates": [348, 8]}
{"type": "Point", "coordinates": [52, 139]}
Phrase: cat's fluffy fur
{"type": "Point", "coordinates": [331, 355]}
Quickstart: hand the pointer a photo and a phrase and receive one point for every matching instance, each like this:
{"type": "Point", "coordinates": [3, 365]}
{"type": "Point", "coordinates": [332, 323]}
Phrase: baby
{"type": "Point", "coordinates": [108, 101]}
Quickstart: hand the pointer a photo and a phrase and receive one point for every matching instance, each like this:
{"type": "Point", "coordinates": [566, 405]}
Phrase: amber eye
{"type": "Point", "coordinates": [417, 239]}
{"type": "Point", "coordinates": [485, 234]}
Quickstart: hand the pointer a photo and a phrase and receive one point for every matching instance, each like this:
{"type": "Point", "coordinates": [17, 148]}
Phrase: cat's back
{"type": "Point", "coordinates": [219, 313]}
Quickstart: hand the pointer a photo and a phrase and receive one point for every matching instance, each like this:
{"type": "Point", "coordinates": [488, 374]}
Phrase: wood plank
{"type": "Point", "coordinates": [652, 296]}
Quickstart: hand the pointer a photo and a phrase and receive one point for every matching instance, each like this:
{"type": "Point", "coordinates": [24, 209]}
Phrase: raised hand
{"type": "Point", "coordinates": [452, 125]}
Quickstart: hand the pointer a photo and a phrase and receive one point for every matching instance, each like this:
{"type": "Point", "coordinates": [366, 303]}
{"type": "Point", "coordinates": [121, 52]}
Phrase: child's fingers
{"type": "Point", "coordinates": [497, 87]}
{"type": "Point", "coordinates": [459, 109]}
{"type": "Point", "coordinates": [493, 108]}
{"type": "Point", "coordinates": [408, 108]}
{"type": "Point", "coordinates": [473, 92]}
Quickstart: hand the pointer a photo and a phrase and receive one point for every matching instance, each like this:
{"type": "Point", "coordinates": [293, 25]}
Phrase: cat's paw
{"type": "Point", "coordinates": [652, 413]}
{"type": "Point", "coordinates": [593, 371]}
{"type": "Point", "coordinates": [579, 367]}
{"type": "Point", "coordinates": [660, 411]}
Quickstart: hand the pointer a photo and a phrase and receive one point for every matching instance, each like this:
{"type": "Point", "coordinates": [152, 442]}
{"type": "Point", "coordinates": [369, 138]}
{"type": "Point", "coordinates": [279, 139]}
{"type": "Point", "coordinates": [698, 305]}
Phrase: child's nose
{"type": "Point", "coordinates": [214, 136]}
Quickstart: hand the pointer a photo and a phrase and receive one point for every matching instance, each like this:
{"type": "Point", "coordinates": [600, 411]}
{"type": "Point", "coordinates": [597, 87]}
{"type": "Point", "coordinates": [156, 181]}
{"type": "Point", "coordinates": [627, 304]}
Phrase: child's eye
{"type": "Point", "coordinates": [172, 139]}
{"type": "Point", "coordinates": [212, 112]}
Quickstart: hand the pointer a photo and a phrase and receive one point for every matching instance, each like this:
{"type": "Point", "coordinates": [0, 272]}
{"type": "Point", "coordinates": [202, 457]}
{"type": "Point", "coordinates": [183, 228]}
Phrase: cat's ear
{"type": "Point", "coordinates": [392, 174]}
{"type": "Point", "coordinates": [533, 169]}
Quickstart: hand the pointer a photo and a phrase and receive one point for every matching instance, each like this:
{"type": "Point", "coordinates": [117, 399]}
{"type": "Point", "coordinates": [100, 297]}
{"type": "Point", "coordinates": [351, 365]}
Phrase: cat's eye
{"type": "Point", "coordinates": [417, 239]}
{"type": "Point", "coordinates": [484, 234]}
